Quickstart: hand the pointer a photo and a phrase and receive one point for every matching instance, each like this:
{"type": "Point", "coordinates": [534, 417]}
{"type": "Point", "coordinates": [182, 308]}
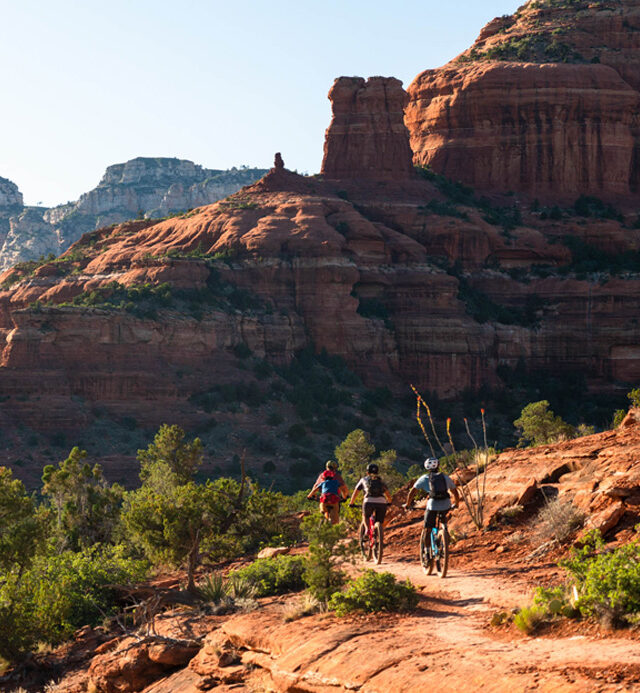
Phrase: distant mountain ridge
{"type": "Point", "coordinates": [144, 186]}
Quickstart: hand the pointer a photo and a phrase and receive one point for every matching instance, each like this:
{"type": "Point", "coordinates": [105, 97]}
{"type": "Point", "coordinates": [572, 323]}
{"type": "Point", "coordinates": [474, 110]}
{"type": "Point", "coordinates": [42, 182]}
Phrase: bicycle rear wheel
{"type": "Point", "coordinates": [363, 538]}
{"type": "Point", "coordinates": [442, 559]}
{"type": "Point", "coordinates": [425, 552]}
{"type": "Point", "coordinates": [377, 542]}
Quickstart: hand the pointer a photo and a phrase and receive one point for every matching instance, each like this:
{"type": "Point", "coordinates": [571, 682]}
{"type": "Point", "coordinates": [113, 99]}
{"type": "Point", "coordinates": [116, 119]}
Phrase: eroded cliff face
{"type": "Point", "coordinates": [367, 137]}
{"type": "Point", "coordinates": [546, 102]}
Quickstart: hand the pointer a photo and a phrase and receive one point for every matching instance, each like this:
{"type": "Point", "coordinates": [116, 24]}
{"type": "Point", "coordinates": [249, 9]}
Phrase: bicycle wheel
{"type": "Point", "coordinates": [442, 559]}
{"type": "Point", "coordinates": [363, 538]}
{"type": "Point", "coordinates": [425, 552]}
{"type": "Point", "coordinates": [377, 542]}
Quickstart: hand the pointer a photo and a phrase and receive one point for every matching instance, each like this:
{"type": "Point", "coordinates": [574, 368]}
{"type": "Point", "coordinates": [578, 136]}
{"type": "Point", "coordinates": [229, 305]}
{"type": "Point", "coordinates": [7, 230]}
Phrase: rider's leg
{"type": "Point", "coordinates": [381, 511]}
{"type": "Point", "coordinates": [331, 511]}
{"type": "Point", "coordinates": [430, 519]}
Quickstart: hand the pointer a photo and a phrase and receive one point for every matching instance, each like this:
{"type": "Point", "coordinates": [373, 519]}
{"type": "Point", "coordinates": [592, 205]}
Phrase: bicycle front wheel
{"type": "Point", "coordinates": [377, 542]}
{"type": "Point", "coordinates": [442, 559]}
{"type": "Point", "coordinates": [425, 551]}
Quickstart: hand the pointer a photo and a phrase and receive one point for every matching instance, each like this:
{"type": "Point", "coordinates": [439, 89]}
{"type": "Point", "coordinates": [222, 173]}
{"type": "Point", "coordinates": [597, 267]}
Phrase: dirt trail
{"type": "Point", "coordinates": [463, 604]}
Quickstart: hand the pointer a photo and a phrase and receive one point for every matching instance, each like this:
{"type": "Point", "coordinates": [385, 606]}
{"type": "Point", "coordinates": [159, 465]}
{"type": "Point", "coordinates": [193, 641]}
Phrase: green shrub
{"type": "Point", "coordinates": [275, 575]}
{"type": "Point", "coordinates": [608, 583]}
{"type": "Point", "coordinates": [60, 593]}
{"type": "Point", "coordinates": [529, 618]}
{"type": "Point", "coordinates": [326, 546]}
{"type": "Point", "coordinates": [634, 397]}
{"type": "Point", "coordinates": [618, 416]}
{"type": "Point", "coordinates": [373, 592]}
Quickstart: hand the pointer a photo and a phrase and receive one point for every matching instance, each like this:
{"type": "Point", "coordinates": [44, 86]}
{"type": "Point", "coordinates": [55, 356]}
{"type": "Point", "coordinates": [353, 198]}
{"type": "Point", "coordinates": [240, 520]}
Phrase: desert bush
{"type": "Point", "coordinates": [373, 592]}
{"type": "Point", "coordinates": [538, 425]}
{"type": "Point", "coordinates": [607, 583]}
{"type": "Point", "coordinates": [276, 575]}
{"type": "Point", "coordinates": [634, 397]}
{"type": "Point", "coordinates": [557, 520]}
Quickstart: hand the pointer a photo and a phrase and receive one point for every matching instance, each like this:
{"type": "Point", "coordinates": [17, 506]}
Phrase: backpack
{"type": "Point", "coordinates": [438, 486]}
{"type": "Point", "coordinates": [373, 486]}
{"type": "Point", "coordinates": [330, 484]}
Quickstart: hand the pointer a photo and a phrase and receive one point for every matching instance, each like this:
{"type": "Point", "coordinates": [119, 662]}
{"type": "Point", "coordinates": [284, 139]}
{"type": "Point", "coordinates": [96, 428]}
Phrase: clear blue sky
{"type": "Point", "coordinates": [92, 83]}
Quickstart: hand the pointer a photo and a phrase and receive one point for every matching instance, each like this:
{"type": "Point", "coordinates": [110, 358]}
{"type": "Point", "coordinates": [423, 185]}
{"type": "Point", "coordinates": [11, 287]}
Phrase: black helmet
{"type": "Point", "coordinates": [372, 468]}
{"type": "Point", "coordinates": [331, 466]}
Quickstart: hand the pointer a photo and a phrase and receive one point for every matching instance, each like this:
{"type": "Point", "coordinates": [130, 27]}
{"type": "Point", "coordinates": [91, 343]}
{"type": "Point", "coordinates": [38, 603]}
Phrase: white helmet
{"type": "Point", "coordinates": [431, 463]}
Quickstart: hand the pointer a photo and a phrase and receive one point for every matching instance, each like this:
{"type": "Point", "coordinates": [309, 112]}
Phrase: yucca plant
{"type": "Point", "coordinates": [213, 588]}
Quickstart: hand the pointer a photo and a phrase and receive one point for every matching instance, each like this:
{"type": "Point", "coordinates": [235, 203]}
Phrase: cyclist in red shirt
{"type": "Point", "coordinates": [332, 490]}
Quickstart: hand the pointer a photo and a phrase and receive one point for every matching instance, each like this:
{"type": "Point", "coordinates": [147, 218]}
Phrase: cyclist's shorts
{"type": "Point", "coordinates": [430, 517]}
{"type": "Point", "coordinates": [379, 509]}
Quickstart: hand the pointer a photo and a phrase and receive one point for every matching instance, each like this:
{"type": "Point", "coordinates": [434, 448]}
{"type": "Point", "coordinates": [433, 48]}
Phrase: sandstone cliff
{"type": "Point", "coordinates": [367, 138]}
{"type": "Point", "coordinates": [151, 187]}
{"type": "Point", "coordinates": [545, 102]}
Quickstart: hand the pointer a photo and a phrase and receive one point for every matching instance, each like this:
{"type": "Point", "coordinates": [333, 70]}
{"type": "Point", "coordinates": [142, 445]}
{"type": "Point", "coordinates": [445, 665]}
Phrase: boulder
{"type": "Point", "coordinates": [605, 520]}
{"type": "Point", "coordinates": [271, 551]}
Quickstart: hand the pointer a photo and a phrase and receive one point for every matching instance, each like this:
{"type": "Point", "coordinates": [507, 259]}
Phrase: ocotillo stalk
{"type": "Point", "coordinates": [422, 428]}
{"type": "Point", "coordinates": [433, 428]}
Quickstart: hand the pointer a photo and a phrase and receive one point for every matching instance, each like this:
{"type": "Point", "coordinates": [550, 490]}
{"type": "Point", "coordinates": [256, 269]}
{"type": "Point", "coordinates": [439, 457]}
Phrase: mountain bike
{"type": "Point", "coordinates": [371, 540]}
{"type": "Point", "coordinates": [434, 547]}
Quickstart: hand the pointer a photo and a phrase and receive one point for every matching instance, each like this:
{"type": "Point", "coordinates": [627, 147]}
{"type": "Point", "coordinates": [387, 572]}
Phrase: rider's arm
{"type": "Point", "coordinates": [421, 484]}
{"type": "Point", "coordinates": [316, 486]}
{"type": "Point", "coordinates": [355, 492]}
{"type": "Point", "coordinates": [343, 490]}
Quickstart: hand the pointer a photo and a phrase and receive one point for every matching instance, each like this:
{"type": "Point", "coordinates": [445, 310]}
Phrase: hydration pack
{"type": "Point", "coordinates": [330, 484]}
{"type": "Point", "coordinates": [438, 486]}
{"type": "Point", "coordinates": [373, 487]}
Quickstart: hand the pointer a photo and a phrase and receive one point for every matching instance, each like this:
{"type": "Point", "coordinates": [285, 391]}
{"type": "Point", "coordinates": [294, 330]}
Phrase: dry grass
{"type": "Point", "coordinates": [304, 605]}
{"type": "Point", "coordinates": [557, 520]}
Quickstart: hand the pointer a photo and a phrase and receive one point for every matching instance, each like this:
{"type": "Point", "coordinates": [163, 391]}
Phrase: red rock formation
{"type": "Point", "coordinates": [563, 130]}
{"type": "Point", "coordinates": [367, 137]}
{"type": "Point", "coordinates": [511, 114]}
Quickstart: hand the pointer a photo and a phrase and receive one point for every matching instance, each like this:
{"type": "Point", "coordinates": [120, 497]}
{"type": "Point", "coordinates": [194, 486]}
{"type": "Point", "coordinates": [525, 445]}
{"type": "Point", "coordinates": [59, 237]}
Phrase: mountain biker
{"type": "Point", "coordinates": [437, 485]}
{"type": "Point", "coordinates": [376, 495]}
{"type": "Point", "coordinates": [332, 490]}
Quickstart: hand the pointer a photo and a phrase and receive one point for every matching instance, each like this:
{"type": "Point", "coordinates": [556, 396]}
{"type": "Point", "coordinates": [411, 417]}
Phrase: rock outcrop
{"type": "Point", "coordinates": [10, 196]}
{"type": "Point", "coordinates": [546, 103]}
{"type": "Point", "coordinates": [149, 187]}
{"type": "Point", "coordinates": [367, 138]}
